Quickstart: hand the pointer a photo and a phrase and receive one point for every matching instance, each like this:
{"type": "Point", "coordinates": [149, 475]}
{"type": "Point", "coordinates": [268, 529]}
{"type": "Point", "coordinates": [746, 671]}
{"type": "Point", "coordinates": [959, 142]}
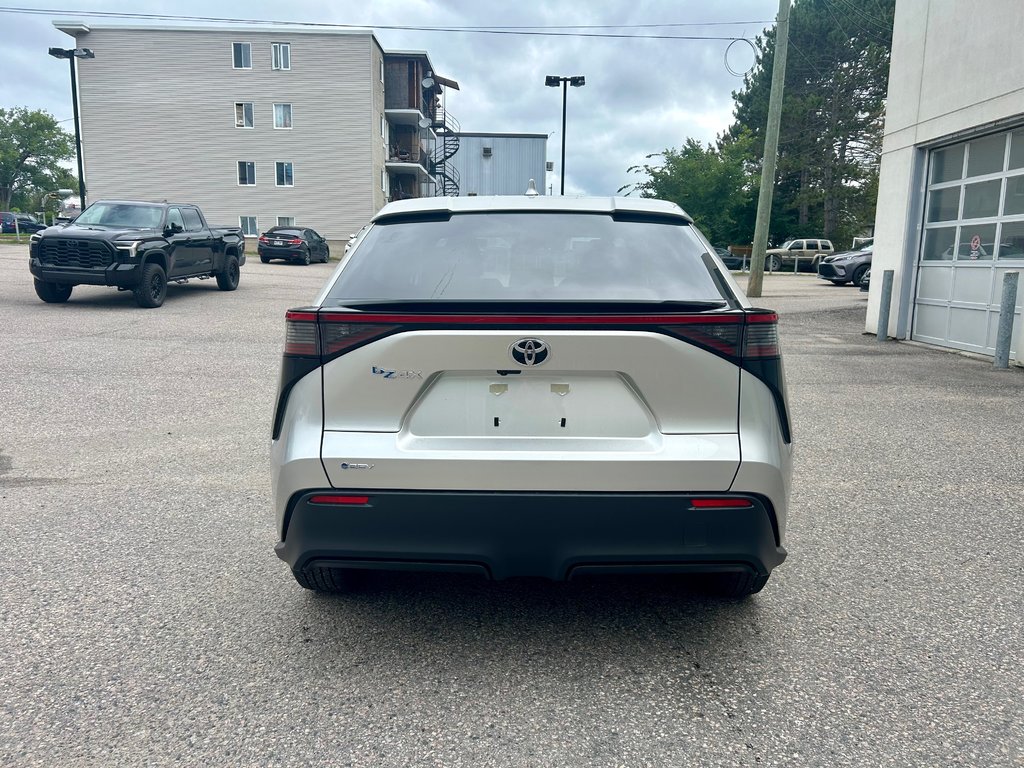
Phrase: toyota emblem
{"type": "Point", "coordinates": [529, 351]}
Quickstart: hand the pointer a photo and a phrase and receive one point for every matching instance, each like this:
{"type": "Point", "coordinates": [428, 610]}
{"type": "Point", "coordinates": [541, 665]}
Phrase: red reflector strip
{"type": "Point", "coordinates": [721, 503]}
{"type": "Point", "coordinates": [348, 500]}
{"type": "Point", "coordinates": [302, 317]}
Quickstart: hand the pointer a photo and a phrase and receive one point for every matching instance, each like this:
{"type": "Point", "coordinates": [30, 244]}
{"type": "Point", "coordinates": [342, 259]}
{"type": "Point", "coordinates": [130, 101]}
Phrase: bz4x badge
{"type": "Point", "coordinates": [389, 373]}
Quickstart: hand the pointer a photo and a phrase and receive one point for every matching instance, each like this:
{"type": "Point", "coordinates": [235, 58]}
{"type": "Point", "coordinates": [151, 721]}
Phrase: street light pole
{"type": "Point", "coordinates": [553, 81]}
{"type": "Point", "coordinates": [71, 54]}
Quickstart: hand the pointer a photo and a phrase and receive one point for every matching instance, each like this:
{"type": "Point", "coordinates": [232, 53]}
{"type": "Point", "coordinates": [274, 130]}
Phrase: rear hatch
{"type": "Point", "coordinates": [577, 351]}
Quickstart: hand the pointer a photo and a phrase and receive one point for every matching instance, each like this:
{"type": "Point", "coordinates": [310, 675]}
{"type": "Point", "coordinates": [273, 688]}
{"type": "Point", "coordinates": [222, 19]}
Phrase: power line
{"type": "Point", "coordinates": [473, 30]}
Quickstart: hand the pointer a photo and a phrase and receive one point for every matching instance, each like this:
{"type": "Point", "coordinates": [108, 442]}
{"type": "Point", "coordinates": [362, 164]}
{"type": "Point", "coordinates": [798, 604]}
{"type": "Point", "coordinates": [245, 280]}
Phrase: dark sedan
{"type": "Point", "coordinates": [846, 267]}
{"type": "Point", "coordinates": [25, 223]}
{"type": "Point", "coordinates": [298, 244]}
{"type": "Point", "coordinates": [730, 261]}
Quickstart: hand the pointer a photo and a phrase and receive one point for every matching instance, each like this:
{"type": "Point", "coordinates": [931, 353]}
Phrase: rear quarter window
{"type": "Point", "coordinates": [506, 256]}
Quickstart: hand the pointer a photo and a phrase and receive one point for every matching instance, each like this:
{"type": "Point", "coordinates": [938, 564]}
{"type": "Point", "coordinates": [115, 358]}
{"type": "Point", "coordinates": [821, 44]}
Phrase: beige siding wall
{"type": "Point", "coordinates": [379, 144]}
{"type": "Point", "coordinates": [158, 122]}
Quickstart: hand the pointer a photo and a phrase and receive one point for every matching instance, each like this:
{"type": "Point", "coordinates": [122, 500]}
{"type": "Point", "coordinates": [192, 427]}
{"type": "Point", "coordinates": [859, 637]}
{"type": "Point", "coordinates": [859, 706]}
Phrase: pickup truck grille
{"type": "Point", "coordinates": [79, 254]}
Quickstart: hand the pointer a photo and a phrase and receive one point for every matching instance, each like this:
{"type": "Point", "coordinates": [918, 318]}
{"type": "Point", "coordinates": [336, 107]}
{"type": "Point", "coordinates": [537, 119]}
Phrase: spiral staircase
{"type": "Point", "coordinates": [446, 128]}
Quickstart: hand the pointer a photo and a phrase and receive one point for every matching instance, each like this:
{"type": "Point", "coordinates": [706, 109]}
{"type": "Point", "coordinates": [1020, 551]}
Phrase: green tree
{"type": "Point", "coordinates": [833, 108]}
{"type": "Point", "coordinates": [714, 184]}
{"type": "Point", "coordinates": [32, 148]}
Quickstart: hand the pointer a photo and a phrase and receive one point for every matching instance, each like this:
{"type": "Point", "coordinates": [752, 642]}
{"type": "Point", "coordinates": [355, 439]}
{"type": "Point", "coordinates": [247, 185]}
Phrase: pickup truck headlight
{"type": "Point", "coordinates": [35, 237]}
{"type": "Point", "coordinates": [129, 250]}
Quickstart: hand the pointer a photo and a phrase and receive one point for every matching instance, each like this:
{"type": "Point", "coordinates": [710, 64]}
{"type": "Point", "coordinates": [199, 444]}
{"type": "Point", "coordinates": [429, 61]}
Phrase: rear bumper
{"type": "Point", "coordinates": [552, 535]}
{"type": "Point", "coordinates": [292, 254]}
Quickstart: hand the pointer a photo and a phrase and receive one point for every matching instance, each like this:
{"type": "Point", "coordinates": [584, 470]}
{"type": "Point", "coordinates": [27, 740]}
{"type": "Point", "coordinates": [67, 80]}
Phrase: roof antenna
{"type": "Point", "coordinates": [531, 190]}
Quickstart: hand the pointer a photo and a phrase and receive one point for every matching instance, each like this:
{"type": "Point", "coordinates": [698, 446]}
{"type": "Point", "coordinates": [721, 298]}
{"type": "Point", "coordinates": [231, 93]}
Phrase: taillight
{"type": "Point", "coordinates": [294, 241]}
{"type": "Point", "coordinates": [263, 239]}
{"type": "Point", "coordinates": [762, 358]}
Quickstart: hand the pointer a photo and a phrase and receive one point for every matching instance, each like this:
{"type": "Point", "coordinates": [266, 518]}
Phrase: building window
{"type": "Point", "coordinates": [971, 219]}
{"type": "Point", "coordinates": [241, 55]}
{"type": "Point", "coordinates": [282, 115]}
{"type": "Point", "coordinates": [382, 70]}
{"type": "Point", "coordinates": [384, 182]}
{"type": "Point", "coordinates": [246, 173]}
{"type": "Point", "coordinates": [384, 128]}
{"type": "Point", "coordinates": [281, 55]}
{"type": "Point", "coordinates": [248, 225]}
{"type": "Point", "coordinates": [284, 174]}
{"type": "Point", "coordinates": [243, 114]}
{"type": "Point", "coordinates": [286, 221]}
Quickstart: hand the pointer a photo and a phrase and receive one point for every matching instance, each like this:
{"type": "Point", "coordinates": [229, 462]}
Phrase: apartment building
{"type": "Point", "coordinates": [261, 126]}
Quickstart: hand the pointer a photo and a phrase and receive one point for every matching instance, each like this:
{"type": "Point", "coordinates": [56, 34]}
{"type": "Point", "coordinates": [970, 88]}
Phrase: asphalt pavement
{"type": "Point", "coordinates": [145, 620]}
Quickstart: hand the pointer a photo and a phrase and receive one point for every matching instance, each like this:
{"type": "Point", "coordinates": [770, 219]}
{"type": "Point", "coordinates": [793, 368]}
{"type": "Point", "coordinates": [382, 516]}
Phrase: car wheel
{"type": "Point", "coordinates": [305, 258]}
{"type": "Point", "coordinates": [227, 279]}
{"type": "Point", "coordinates": [152, 288]}
{"type": "Point", "coordinates": [736, 585]}
{"type": "Point", "coordinates": [774, 263]}
{"type": "Point", "coordinates": [331, 581]}
{"type": "Point", "coordinates": [265, 259]}
{"type": "Point", "coordinates": [53, 293]}
{"type": "Point", "coordinates": [858, 274]}
{"type": "Point", "coordinates": [327, 253]}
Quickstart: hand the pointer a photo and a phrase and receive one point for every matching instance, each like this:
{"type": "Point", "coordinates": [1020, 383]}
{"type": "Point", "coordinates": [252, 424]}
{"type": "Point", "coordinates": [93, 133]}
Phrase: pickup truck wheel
{"type": "Point", "coordinates": [152, 288]}
{"type": "Point", "coordinates": [774, 263]}
{"type": "Point", "coordinates": [305, 258]}
{"type": "Point", "coordinates": [52, 293]}
{"type": "Point", "coordinates": [227, 279]}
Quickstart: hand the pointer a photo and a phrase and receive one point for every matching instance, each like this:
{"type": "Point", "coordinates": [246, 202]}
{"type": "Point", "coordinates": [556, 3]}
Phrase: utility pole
{"type": "Point", "coordinates": [771, 152]}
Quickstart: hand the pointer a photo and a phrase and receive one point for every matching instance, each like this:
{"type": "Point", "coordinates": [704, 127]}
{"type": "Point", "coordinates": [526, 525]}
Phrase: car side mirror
{"type": "Point", "coordinates": [173, 228]}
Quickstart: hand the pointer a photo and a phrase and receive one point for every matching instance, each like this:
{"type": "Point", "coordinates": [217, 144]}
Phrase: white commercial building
{"type": "Point", "coordinates": [950, 219]}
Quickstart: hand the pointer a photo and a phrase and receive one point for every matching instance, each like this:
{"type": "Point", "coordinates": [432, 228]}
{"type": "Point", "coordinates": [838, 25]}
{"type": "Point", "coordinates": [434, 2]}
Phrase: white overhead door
{"type": "Point", "coordinates": [973, 234]}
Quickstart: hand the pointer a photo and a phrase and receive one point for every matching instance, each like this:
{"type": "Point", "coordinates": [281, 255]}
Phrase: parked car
{"type": "Point", "coordinates": [134, 246]}
{"type": "Point", "coordinates": [541, 386]}
{"type": "Point", "coordinates": [846, 267]}
{"type": "Point", "coordinates": [865, 282]}
{"type": "Point", "coordinates": [730, 261]}
{"type": "Point", "coordinates": [299, 244]}
{"type": "Point", "coordinates": [808, 250]}
{"type": "Point", "coordinates": [25, 224]}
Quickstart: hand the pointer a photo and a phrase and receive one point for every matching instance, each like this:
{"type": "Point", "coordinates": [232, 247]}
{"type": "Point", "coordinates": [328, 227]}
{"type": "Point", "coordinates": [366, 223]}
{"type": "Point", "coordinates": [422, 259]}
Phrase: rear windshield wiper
{"type": "Point", "coordinates": [524, 305]}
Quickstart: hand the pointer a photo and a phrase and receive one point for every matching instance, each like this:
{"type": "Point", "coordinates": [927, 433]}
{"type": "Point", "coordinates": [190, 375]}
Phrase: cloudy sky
{"type": "Point", "coordinates": [641, 95]}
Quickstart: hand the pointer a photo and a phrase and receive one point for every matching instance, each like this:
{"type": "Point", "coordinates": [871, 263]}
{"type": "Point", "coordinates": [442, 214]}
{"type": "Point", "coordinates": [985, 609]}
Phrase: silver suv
{"type": "Point", "coordinates": [531, 387]}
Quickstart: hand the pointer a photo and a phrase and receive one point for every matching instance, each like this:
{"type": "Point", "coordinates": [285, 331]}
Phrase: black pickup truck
{"type": "Point", "coordinates": [137, 247]}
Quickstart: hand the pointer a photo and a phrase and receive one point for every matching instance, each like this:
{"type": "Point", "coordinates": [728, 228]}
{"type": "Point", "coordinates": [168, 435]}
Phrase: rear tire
{"type": "Point", "coordinates": [774, 263]}
{"type": "Point", "coordinates": [327, 253]}
{"type": "Point", "coordinates": [152, 288]}
{"type": "Point", "coordinates": [736, 585]}
{"type": "Point", "coordinates": [52, 293]}
{"type": "Point", "coordinates": [328, 581]}
{"type": "Point", "coordinates": [265, 259]}
{"type": "Point", "coordinates": [305, 258]}
{"type": "Point", "coordinates": [227, 279]}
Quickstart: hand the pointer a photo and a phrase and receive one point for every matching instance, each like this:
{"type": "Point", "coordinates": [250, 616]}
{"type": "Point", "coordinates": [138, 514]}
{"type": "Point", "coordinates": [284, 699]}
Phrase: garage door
{"type": "Point", "coordinates": [973, 234]}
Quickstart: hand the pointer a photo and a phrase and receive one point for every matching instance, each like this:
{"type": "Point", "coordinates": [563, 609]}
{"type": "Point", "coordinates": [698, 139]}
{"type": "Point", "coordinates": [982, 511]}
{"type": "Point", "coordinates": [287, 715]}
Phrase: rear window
{"type": "Point", "coordinates": [285, 232]}
{"type": "Point", "coordinates": [527, 257]}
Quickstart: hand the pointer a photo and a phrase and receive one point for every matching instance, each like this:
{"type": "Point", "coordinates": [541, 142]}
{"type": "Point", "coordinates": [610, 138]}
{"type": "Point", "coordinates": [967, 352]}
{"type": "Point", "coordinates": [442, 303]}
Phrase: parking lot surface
{"type": "Point", "coordinates": [144, 619]}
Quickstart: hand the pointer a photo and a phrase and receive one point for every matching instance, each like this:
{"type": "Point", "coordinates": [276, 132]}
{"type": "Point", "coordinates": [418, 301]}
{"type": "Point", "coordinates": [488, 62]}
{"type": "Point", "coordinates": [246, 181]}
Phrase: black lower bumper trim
{"type": "Point", "coordinates": [553, 535]}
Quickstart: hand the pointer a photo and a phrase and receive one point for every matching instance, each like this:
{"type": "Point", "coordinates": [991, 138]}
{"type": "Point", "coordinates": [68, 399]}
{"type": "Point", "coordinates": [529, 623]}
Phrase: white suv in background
{"type": "Point", "coordinates": [531, 386]}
